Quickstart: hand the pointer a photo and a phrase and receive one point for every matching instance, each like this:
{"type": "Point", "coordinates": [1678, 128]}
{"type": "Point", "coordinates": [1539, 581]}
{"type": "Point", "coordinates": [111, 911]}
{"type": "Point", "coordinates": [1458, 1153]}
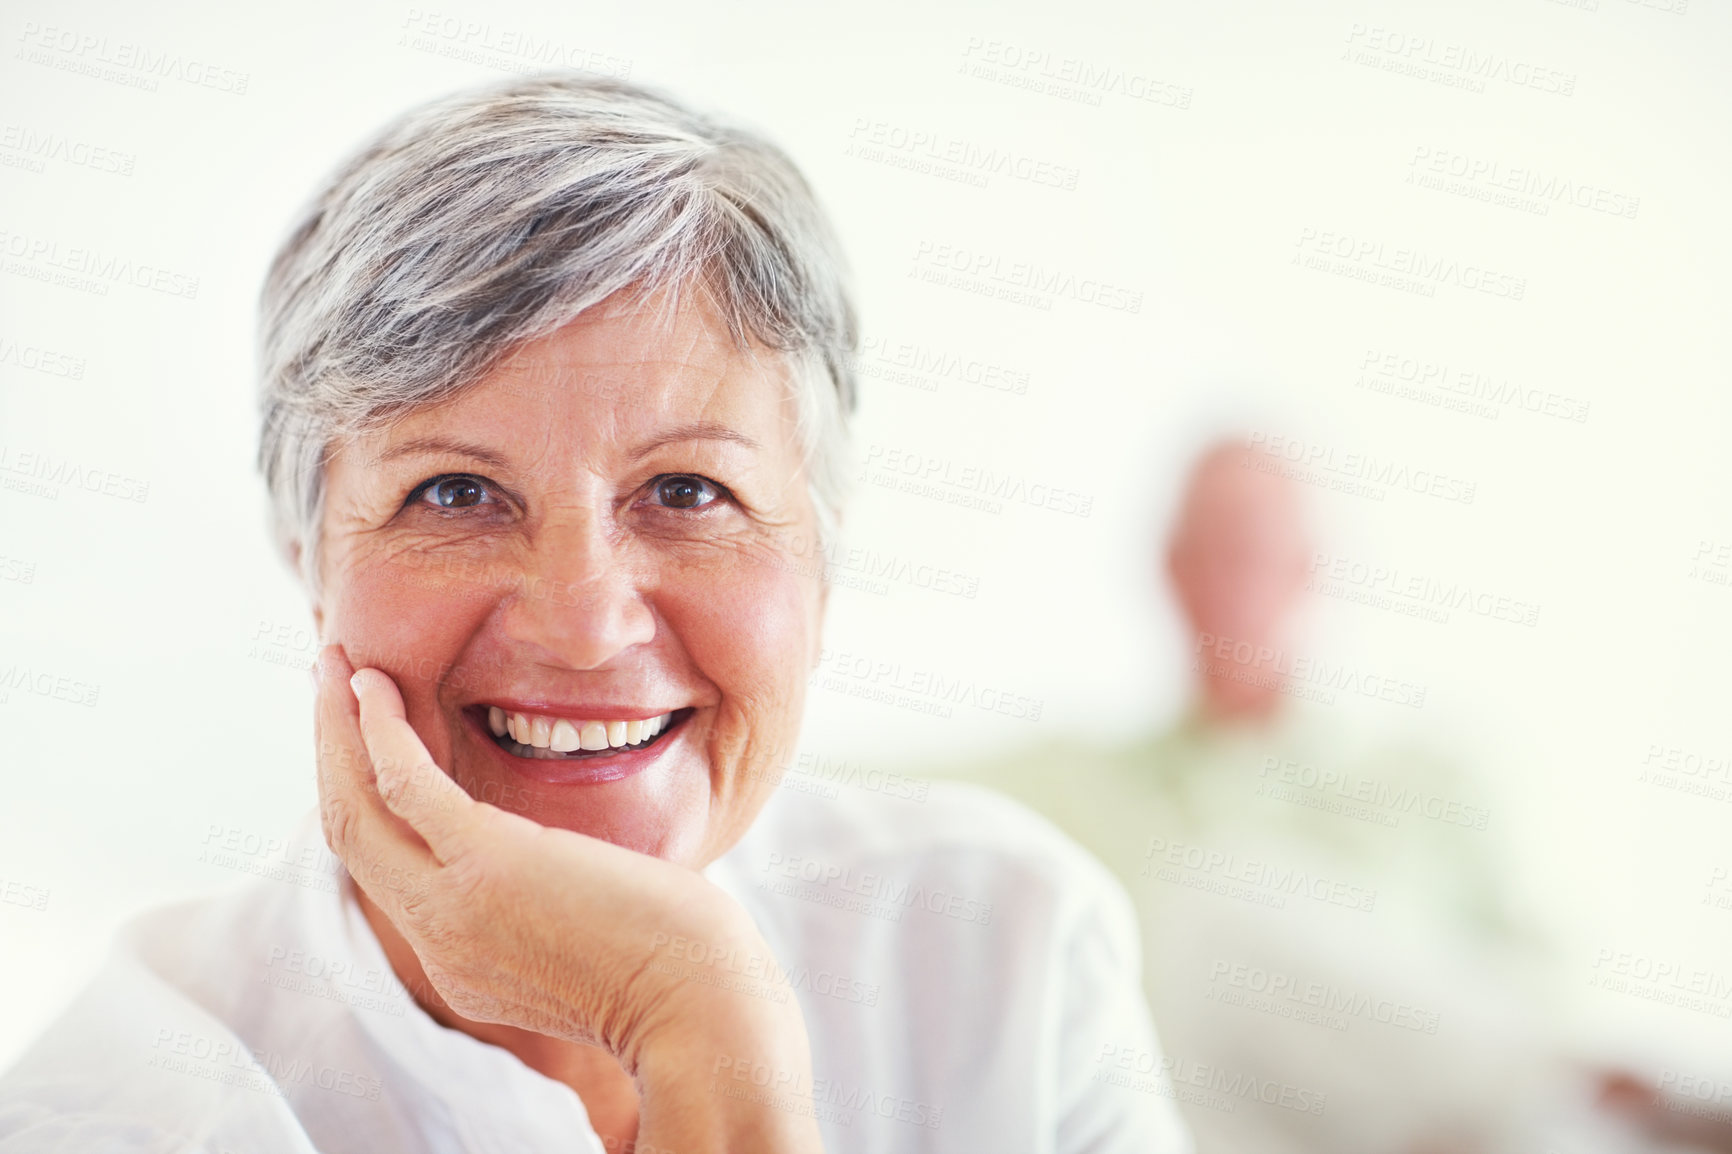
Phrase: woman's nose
{"type": "Point", "coordinates": [582, 599]}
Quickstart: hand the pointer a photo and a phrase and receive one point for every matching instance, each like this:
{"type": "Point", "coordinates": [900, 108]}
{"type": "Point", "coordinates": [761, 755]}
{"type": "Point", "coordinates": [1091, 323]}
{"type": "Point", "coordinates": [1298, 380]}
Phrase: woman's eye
{"type": "Point", "coordinates": [685, 492]}
{"type": "Point", "coordinates": [455, 493]}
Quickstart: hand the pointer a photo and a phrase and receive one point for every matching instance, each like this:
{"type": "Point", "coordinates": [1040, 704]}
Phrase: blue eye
{"type": "Point", "coordinates": [684, 491]}
{"type": "Point", "coordinates": [454, 493]}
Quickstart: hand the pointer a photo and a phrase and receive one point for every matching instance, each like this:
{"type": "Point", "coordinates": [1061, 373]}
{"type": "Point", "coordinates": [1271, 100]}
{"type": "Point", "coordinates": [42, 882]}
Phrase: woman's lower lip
{"type": "Point", "coordinates": [578, 771]}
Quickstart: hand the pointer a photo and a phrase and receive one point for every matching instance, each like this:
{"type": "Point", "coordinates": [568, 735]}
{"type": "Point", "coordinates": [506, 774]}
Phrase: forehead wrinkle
{"type": "Point", "coordinates": [617, 390]}
{"type": "Point", "coordinates": [435, 444]}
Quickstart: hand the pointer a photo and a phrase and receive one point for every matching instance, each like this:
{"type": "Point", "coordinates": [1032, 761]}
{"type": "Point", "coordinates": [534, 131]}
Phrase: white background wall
{"type": "Point", "coordinates": [1259, 127]}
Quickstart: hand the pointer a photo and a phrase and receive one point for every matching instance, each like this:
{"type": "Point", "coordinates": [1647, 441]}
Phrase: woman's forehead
{"type": "Point", "coordinates": [625, 381]}
{"type": "Point", "coordinates": [666, 330]}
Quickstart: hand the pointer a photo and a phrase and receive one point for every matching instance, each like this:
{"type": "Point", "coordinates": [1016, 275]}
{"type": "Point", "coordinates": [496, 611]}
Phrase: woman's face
{"type": "Point", "coordinates": [613, 527]}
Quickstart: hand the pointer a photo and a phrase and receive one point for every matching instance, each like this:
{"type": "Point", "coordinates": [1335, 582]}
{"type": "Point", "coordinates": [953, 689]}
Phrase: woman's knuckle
{"type": "Point", "coordinates": [445, 940]}
{"type": "Point", "coordinates": [472, 879]}
{"type": "Point", "coordinates": [340, 822]}
{"type": "Point", "coordinates": [412, 903]}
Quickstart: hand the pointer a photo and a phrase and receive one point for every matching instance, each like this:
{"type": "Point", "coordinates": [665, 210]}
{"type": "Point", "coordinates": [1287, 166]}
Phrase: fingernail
{"type": "Point", "coordinates": [355, 681]}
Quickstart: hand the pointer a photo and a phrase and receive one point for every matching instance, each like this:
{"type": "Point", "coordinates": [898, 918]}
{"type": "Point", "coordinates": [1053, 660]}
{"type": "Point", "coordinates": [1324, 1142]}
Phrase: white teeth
{"type": "Point", "coordinates": [565, 737]}
{"type": "Point", "coordinates": [559, 735]}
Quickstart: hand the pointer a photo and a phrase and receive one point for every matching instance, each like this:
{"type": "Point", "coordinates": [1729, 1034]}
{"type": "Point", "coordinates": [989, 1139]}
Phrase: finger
{"type": "Point", "coordinates": [343, 762]}
{"type": "Point", "coordinates": [411, 783]}
{"type": "Point", "coordinates": [381, 853]}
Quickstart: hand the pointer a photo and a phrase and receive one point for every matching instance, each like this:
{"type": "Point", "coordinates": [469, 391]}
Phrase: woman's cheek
{"type": "Point", "coordinates": [748, 634]}
{"type": "Point", "coordinates": [413, 623]}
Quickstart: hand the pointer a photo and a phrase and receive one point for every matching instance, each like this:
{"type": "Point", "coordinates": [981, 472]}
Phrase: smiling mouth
{"type": "Point", "coordinates": [539, 737]}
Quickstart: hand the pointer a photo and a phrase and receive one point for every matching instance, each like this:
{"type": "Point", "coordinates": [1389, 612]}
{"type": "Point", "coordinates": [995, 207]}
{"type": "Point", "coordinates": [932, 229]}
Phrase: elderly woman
{"type": "Point", "coordinates": [556, 379]}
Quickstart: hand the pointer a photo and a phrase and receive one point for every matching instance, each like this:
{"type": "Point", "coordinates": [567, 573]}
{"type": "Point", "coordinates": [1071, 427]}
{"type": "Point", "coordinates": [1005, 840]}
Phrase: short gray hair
{"type": "Point", "coordinates": [493, 217]}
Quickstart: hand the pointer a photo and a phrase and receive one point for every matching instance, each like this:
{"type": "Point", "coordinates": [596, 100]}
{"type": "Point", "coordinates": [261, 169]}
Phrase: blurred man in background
{"type": "Point", "coordinates": [1331, 949]}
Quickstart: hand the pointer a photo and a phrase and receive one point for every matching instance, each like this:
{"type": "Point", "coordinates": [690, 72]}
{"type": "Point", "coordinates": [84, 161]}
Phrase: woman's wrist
{"type": "Point", "coordinates": [731, 1071]}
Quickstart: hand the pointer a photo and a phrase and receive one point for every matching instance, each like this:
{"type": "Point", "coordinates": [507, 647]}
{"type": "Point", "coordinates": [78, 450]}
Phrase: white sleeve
{"type": "Point", "coordinates": [1110, 1085]}
{"type": "Point", "coordinates": [31, 1129]}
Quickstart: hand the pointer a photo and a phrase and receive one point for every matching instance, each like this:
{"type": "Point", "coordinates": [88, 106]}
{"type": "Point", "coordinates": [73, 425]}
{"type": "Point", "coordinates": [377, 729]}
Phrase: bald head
{"type": "Point", "coordinates": [1238, 559]}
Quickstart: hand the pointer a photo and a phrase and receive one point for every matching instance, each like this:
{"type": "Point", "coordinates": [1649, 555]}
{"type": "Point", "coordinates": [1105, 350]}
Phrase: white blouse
{"type": "Point", "coordinates": [969, 980]}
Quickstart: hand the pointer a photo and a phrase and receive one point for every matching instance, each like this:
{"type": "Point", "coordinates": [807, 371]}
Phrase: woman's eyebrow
{"type": "Point", "coordinates": [441, 445]}
{"type": "Point", "coordinates": [696, 431]}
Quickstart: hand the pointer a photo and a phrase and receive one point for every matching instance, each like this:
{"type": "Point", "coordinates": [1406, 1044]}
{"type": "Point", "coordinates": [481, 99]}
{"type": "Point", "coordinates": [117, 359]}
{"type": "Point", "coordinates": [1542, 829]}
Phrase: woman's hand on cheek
{"type": "Point", "coordinates": [545, 929]}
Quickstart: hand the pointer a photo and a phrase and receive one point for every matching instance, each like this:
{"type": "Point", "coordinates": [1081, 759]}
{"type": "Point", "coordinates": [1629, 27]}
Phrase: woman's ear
{"type": "Point", "coordinates": [815, 650]}
{"type": "Point", "coordinates": [817, 654]}
{"type": "Point", "coordinates": [318, 610]}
